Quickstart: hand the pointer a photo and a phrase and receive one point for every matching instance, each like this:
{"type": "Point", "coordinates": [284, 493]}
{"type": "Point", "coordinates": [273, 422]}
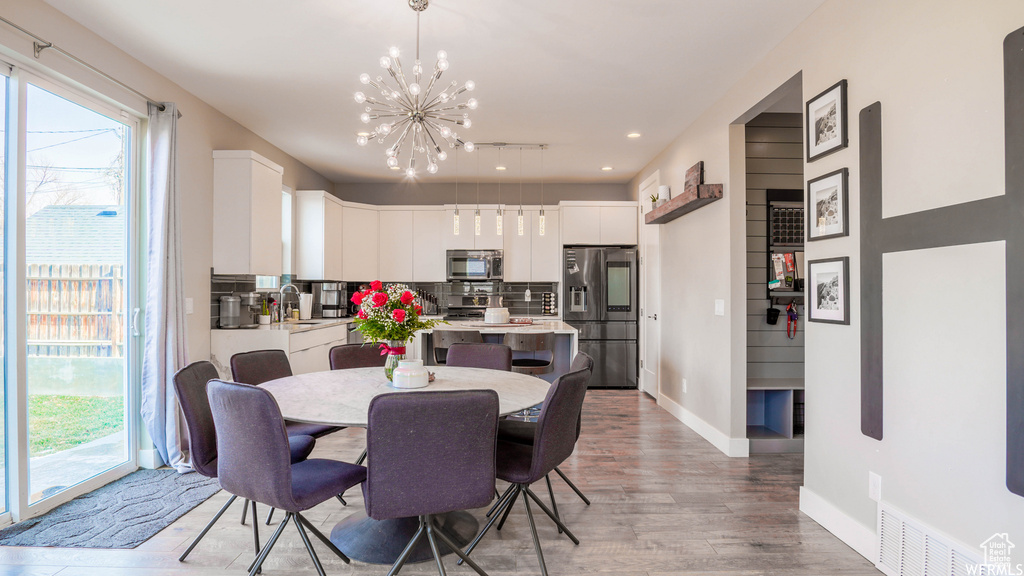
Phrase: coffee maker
{"type": "Point", "coordinates": [329, 300]}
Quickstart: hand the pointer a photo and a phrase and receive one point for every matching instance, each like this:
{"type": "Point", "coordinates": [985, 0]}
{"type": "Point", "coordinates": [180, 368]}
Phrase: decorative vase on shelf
{"type": "Point", "coordinates": [396, 353]}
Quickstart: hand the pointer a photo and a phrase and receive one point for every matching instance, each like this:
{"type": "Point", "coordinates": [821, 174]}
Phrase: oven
{"type": "Point", "coordinates": [475, 265]}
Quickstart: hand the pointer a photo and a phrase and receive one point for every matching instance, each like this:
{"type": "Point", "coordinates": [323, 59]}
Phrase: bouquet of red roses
{"type": "Point", "coordinates": [389, 313]}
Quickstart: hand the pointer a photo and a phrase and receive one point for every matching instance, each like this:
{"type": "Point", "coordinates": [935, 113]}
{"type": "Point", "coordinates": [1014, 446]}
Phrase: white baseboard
{"type": "Point", "coordinates": [856, 535]}
{"type": "Point", "coordinates": [733, 447]}
{"type": "Point", "coordinates": [150, 459]}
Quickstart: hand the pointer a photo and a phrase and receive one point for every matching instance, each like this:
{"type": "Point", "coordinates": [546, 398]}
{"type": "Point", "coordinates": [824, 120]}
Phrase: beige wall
{"type": "Point", "coordinates": [200, 131]}
{"type": "Point", "coordinates": [936, 65]}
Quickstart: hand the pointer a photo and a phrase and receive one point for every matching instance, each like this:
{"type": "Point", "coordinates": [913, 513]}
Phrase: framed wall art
{"type": "Point", "coordinates": [826, 122]}
{"type": "Point", "coordinates": [828, 290]}
{"type": "Point", "coordinates": [828, 202]}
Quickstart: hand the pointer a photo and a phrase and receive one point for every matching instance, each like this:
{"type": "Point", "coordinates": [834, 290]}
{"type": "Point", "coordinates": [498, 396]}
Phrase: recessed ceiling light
{"type": "Point", "coordinates": [499, 167]}
{"type": "Point", "coordinates": [633, 135]}
{"type": "Point", "coordinates": [606, 168]}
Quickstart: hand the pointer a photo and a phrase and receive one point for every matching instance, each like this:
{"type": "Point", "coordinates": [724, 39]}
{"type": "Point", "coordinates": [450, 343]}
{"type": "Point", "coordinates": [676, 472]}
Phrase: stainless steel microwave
{"type": "Point", "coordinates": [471, 265]}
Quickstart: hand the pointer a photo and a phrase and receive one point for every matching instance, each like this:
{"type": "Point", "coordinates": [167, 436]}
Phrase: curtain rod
{"type": "Point", "coordinates": [39, 44]}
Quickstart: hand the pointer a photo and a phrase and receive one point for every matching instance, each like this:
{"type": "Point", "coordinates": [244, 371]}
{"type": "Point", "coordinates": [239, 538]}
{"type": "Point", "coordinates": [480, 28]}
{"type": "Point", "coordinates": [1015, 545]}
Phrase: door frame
{"type": "Point", "coordinates": [651, 182]}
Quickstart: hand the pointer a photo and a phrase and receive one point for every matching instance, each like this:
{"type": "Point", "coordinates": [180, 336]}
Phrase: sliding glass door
{"type": "Point", "coordinates": [5, 82]}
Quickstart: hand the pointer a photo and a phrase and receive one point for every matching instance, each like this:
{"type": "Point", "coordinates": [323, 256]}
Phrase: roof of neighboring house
{"type": "Point", "coordinates": [76, 235]}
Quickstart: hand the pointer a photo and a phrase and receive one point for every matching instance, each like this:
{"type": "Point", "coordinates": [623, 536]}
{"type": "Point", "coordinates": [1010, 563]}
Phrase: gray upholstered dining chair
{"type": "Point", "coordinates": [414, 470]}
{"type": "Point", "coordinates": [348, 356]}
{"type": "Point", "coordinates": [190, 388]}
{"type": "Point", "coordinates": [523, 464]}
{"type": "Point", "coordinates": [261, 366]}
{"type": "Point", "coordinates": [254, 463]}
{"type": "Point", "coordinates": [489, 356]}
{"type": "Point", "coordinates": [537, 352]}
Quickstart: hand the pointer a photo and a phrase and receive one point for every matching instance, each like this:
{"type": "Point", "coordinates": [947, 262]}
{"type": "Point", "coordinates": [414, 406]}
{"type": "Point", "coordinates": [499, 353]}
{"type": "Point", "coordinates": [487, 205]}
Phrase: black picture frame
{"type": "Point", "coordinates": [837, 225]}
{"type": "Point", "coordinates": [826, 126]}
{"type": "Point", "coordinates": [838, 310]}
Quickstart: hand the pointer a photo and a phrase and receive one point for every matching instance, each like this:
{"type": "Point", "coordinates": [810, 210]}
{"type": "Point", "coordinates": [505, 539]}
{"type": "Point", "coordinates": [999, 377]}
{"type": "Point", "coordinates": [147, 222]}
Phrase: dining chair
{"type": "Point", "coordinates": [442, 340]}
{"type": "Point", "coordinates": [523, 464]}
{"type": "Point", "coordinates": [190, 388]}
{"type": "Point", "coordinates": [537, 352]}
{"type": "Point", "coordinates": [348, 356]}
{"type": "Point", "coordinates": [414, 470]}
{"type": "Point", "coordinates": [524, 432]}
{"type": "Point", "coordinates": [488, 356]}
{"type": "Point", "coordinates": [250, 429]}
{"type": "Point", "coordinates": [261, 366]}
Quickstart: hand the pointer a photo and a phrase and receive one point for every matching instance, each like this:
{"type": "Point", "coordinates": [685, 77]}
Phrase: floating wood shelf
{"type": "Point", "coordinates": [684, 204]}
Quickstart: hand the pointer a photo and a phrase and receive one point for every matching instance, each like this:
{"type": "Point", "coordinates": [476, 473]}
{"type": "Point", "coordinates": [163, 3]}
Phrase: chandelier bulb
{"type": "Point", "coordinates": [410, 172]}
{"type": "Point", "coordinates": [442, 155]}
{"type": "Point", "coordinates": [365, 118]}
{"type": "Point", "coordinates": [360, 97]}
{"type": "Point", "coordinates": [469, 146]}
{"type": "Point", "coordinates": [442, 65]}
{"type": "Point", "coordinates": [361, 140]}
{"type": "Point", "coordinates": [442, 55]}
{"type": "Point", "coordinates": [444, 97]}
{"type": "Point", "coordinates": [467, 123]}
{"type": "Point", "coordinates": [446, 132]}
{"type": "Point", "coordinates": [432, 168]}
{"type": "Point", "coordinates": [392, 162]}
{"type": "Point", "coordinates": [470, 85]}
{"type": "Point", "coordinates": [385, 129]}
{"type": "Point", "coordinates": [471, 103]}
{"type": "Point", "coordinates": [385, 62]}
{"type": "Point", "coordinates": [414, 89]}
{"type": "Point", "coordinates": [394, 51]}
{"type": "Point", "coordinates": [364, 78]}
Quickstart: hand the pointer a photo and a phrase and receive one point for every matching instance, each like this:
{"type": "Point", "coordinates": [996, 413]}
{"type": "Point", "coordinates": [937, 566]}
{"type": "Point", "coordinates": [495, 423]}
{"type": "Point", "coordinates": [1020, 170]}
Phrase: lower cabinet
{"type": "Point", "coordinates": [307, 350]}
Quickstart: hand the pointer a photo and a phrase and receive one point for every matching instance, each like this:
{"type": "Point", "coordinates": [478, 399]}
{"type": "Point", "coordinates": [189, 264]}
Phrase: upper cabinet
{"type": "Point", "coordinates": [546, 250]}
{"type": "Point", "coordinates": [468, 239]}
{"type": "Point", "coordinates": [397, 238]}
{"type": "Point", "coordinates": [614, 223]}
{"type": "Point", "coordinates": [246, 214]}
{"type": "Point", "coordinates": [428, 251]}
{"type": "Point", "coordinates": [318, 236]}
{"type": "Point", "coordinates": [360, 243]}
{"type": "Point", "coordinates": [517, 249]}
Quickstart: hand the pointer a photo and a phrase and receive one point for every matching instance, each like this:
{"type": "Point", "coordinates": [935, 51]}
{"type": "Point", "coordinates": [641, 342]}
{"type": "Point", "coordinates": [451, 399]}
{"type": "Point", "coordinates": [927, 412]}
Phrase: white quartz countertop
{"type": "Point", "coordinates": [293, 326]}
{"type": "Point", "coordinates": [556, 326]}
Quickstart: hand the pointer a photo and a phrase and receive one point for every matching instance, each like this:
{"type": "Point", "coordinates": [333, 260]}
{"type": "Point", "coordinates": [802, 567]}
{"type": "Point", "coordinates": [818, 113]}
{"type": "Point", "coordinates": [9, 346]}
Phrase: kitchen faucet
{"type": "Point", "coordinates": [280, 307]}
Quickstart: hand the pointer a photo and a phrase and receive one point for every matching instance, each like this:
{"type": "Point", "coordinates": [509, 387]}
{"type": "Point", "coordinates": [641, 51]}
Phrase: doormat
{"type": "Point", "coordinates": [122, 514]}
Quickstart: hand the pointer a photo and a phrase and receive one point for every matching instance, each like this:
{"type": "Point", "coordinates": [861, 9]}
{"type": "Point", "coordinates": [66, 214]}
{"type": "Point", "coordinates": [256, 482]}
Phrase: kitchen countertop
{"type": "Point", "coordinates": [293, 326]}
{"type": "Point", "coordinates": [556, 326]}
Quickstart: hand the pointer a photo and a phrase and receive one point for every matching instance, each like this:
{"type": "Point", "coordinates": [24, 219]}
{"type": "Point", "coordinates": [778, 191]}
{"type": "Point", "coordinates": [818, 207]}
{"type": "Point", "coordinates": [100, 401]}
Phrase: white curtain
{"type": "Point", "coordinates": [165, 348]}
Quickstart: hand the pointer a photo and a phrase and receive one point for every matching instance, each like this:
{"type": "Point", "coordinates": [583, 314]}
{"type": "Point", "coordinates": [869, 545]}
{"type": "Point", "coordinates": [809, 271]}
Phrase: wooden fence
{"type": "Point", "coordinates": [76, 310]}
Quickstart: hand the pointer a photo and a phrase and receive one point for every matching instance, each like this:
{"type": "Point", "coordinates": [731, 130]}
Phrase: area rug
{"type": "Point", "coordinates": [122, 514]}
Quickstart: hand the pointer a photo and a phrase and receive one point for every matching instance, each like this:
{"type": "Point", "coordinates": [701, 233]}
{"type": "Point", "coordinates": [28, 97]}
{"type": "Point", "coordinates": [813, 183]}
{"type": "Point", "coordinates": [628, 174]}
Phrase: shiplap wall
{"type": "Point", "coordinates": [774, 161]}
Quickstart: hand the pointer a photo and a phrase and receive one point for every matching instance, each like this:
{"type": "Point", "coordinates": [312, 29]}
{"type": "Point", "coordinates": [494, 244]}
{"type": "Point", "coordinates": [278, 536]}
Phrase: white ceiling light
{"type": "Point", "coordinates": [606, 168]}
{"type": "Point", "coordinates": [633, 135]}
{"type": "Point", "coordinates": [409, 110]}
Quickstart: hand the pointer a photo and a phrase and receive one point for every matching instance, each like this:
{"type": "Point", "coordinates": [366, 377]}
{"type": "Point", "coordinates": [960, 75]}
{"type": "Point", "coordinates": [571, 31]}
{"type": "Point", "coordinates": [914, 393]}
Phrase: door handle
{"type": "Point", "coordinates": [655, 316]}
{"type": "Point", "coordinates": [135, 322]}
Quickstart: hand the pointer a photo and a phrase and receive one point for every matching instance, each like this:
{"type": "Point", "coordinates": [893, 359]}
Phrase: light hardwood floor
{"type": "Point", "coordinates": [665, 502]}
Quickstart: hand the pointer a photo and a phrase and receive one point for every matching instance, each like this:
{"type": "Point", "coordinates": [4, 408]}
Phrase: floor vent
{"type": "Point", "coordinates": [907, 547]}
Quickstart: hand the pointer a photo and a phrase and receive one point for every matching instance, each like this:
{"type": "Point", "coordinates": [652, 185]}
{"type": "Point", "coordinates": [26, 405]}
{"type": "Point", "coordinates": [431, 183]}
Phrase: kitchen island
{"type": "Point", "coordinates": [566, 340]}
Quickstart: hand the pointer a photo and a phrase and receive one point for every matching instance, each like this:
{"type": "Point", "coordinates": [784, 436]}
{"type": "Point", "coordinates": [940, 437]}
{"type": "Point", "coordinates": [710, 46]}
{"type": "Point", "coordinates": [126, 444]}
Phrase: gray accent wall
{"type": "Point", "coordinates": [404, 191]}
{"type": "Point", "coordinates": [772, 163]}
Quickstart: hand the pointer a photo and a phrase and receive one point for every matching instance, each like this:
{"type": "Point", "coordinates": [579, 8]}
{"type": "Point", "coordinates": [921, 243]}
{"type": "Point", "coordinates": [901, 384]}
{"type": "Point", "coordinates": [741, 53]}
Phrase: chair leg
{"type": "Point", "coordinates": [257, 562]}
{"type": "Point", "coordinates": [433, 544]}
{"type": "Point", "coordinates": [245, 510]}
{"type": "Point", "coordinates": [500, 500]}
{"type": "Point", "coordinates": [270, 516]}
{"type": "Point", "coordinates": [362, 458]}
{"type": "Point", "coordinates": [400, 561]}
{"type": "Point", "coordinates": [463, 557]}
{"type": "Point", "coordinates": [320, 535]}
{"type": "Point", "coordinates": [256, 528]}
{"type": "Point", "coordinates": [309, 548]}
{"type": "Point", "coordinates": [342, 500]}
{"type": "Point", "coordinates": [573, 486]}
{"type": "Point", "coordinates": [550, 514]}
{"type": "Point", "coordinates": [536, 538]}
{"type": "Point", "coordinates": [509, 502]}
{"type": "Point", "coordinates": [508, 509]}
{"type": "Point", "coordinates": [551, 493]}
{"type": "Point", "coordinates": [207, 528]}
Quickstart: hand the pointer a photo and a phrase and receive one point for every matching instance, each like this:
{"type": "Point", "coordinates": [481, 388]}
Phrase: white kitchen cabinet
{"type": "Point", "coordinates": [464, 241]}
{"type": "Point", "coordinates": [307, 347]}
{"type": "Point", "coordinates": [396, 245]}
{"type": "Point", "coordinates": [359, 244]}
{"type": "Point", "coordinates": [546, 250]}
{"type": "Point", "coordinates": [318, 249]}
{"type": "Point", "coordinates": [428, 251]}
{"type": "Point", "coordinates": [518, 249]}
{"type": "Point", "coordinates": [618, 225]}
{"type": "Point", "coordinates": [246, 214]}
{"type": "Point", "coordinates": [581, 224]}
{"type": "Point", "coordinates": [467, 238]}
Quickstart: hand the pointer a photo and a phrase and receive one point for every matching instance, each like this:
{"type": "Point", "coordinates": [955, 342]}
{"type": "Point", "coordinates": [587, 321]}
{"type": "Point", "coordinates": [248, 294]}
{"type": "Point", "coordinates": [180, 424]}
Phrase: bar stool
{"type": "Point", "coordinates": [443, 339]}
{"type": "Point", "coordinates": [540, 345]}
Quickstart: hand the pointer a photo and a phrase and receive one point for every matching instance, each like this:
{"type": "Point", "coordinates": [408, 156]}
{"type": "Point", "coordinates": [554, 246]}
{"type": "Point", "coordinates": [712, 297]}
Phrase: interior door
{"type": "Point", "coordinates": [650, 293]}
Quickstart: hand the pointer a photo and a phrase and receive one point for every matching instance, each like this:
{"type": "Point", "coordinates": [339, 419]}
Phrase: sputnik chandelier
{"type": "Point", "coordinates": [409, 110]}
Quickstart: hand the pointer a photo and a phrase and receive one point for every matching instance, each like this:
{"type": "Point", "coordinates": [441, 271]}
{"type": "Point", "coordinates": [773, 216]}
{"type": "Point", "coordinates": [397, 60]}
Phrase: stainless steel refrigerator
{"type": "Point", "coordinates": [600, 288]}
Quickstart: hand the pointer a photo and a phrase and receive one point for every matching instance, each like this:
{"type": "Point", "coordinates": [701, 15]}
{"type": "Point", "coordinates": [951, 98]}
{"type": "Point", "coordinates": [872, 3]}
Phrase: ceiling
{"type": "Point", "coordinates": [577, 75]}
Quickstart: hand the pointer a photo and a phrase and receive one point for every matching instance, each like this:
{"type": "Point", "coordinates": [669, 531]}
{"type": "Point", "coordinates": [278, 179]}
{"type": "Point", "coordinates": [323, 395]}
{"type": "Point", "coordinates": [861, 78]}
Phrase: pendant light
{"type": "Point", "coordinates": [540, 221]}
{"type": "Point", "coordinates": [476, 217]}
{"type": "Point", "coordinates": [455, 220]}
{"type": "Point", "coordinates": [500, 216]}
{"type": "Point", "coordinates": [519, 217]}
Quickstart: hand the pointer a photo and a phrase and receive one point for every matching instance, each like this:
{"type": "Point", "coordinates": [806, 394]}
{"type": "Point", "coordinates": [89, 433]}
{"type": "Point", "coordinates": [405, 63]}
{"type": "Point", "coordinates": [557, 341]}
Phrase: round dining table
{"type": "Point", "coordinates": [342, 398]}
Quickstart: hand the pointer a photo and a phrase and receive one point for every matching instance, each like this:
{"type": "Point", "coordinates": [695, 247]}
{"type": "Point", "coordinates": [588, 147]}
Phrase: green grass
{"type": "Point", "coordinates": [60, 422]}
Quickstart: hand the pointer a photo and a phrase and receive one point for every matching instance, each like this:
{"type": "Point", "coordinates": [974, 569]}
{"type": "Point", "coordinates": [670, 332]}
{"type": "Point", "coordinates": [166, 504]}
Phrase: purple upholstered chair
{"type": "Point", "coordinates": [489, 356]}
{"type": "Point", "coordinates": [262, 366]}
{"type": "Point", "coordinates": [356, 356]}
{"type": "Point", "coordinates": [524, 464]}
{"type": "Point", "coordinates": [430, 453]}
{"type": "Point", "coordinates": [254, 463]}
{"type": "Point", "coordinates": [190, 387]}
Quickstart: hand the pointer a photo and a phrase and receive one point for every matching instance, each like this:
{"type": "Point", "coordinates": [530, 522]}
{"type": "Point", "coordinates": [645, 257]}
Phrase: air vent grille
{"type": "Point", "coordinates": [907, 547]}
